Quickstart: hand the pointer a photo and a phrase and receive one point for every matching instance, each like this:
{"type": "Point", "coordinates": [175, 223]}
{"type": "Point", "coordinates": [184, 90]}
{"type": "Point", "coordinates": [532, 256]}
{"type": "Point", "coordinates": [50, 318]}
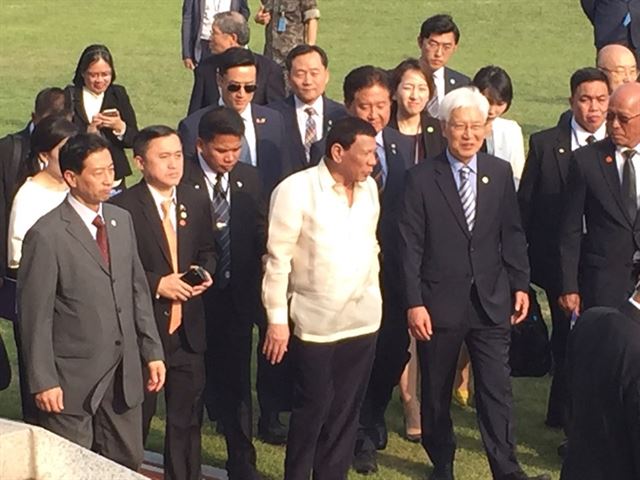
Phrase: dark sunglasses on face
{"type": "Point", "coordinates": [235, 87]}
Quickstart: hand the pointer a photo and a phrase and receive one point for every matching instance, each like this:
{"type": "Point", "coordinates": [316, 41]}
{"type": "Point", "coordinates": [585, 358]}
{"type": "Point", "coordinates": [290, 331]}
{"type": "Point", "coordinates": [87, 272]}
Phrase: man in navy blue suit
{"type": "Point", "coordinates": [264, 144]}
{"type": "Point", "coordinates": [307, 111]}
{"type": "Point", "coordinates": [614, 21]}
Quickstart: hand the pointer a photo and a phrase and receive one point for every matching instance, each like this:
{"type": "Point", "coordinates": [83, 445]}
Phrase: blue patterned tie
{"type": "Point", "coordinates": [222, 218]}
{"type": "Point", "coordinates": [467, 197]}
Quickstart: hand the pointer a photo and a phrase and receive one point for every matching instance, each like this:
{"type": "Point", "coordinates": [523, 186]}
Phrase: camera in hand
{"type": "Point", "coordinates": [195, 276]}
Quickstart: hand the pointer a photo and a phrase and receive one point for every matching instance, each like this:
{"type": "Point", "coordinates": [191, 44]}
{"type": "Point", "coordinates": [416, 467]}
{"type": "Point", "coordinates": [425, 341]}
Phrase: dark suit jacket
{"type": "Point", "coordinates": [114, 97]}
{"type": "Point", "coordinates": [607, 16]}
{"type": "Point", "coordinates": [540, 196]}
{"type": "Point", "coordinates": [14, 150]}
{"type": "Point", "coordinates": [432, 140]}
{"type": "Point", "coordinates": [441, 260]}
{"type": "Point", "coordinates": [603, 361]}
{"type": "Point", "coordinates": [269, 80]}
{"type": "Point", "coordinates": [454, 79]}
{"type": "Point", "coordinates": [192, 22]}
{"type": "Point", "coordinates": [195, 247]}
{"type": "Point", "coordinates": [271, 141]}
{"type": "Point", "coordinates": [598, 265]}
{"type": "Point", "coordinates": [79, 318]}
{"type": "Point", "coordinates": [248, 236]}
{"type": "Point", "coordinates": [333, 111]}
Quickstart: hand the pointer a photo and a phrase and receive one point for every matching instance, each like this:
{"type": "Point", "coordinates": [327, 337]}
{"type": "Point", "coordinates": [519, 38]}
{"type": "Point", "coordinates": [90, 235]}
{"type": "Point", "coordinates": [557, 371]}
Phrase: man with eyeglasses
{"type": "Point", "coordinates": [600, 267]}
{"type": "Point", "coordinates": [438, 41]}
{"type": "Point", "coordinates": [619, 65]}
{"type": "Point", "coordinates": [263, 144]}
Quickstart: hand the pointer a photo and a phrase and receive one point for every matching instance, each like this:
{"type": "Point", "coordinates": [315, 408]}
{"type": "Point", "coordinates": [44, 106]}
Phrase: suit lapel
{"type": "Point", "coordinates": [562, 152]}
{"type": "Point", "coordinates": [447, 185]}
{"type": "Point", "coordinates": [258, 124]}
{"type": "Point", "coordinates": [607, 161]}
{"type": "Point", "coordinates": [183, 232]}
{"type": "Point", "coordinates": [78, 105]}
{"type": "Point", "coordinates": [80, 232]}
{"type": "Point", "coordinates": [154, 222]}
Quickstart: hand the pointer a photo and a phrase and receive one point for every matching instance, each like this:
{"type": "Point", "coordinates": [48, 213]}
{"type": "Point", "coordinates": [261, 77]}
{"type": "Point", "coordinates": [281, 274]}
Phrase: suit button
{"type": "Point", "coordinates": [119, 310]}
{"type": "Point", "coordinates": [118, 343]}
{"type": "Point", "coordinates": [472, 249]}
{"type": "Point", "coordinates": [165, 313]}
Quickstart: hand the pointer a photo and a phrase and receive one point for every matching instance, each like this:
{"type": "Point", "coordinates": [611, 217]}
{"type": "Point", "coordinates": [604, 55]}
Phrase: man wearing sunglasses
{"type": "Point", "coordinates": [600, 267]}
{"type": "Point", "coordinates": [263, 144]}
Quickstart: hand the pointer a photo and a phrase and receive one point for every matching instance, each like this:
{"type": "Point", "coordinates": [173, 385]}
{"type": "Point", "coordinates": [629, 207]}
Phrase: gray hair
{"type": "Point", "coordinates": [233, 23]}
{"type": "Point", "coordinates": [463, 97]}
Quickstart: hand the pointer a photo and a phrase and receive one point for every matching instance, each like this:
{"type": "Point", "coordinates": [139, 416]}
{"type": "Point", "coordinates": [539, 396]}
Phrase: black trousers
{"type": "Point", "coordinates": [183, 393]}
{"type": "Point", "coordinates": [329, 383]}
{"type": "Point", "coordinates": [113, 431]}
{"type": "Point", "coordinates": [273, 382]}
{"type": "Point", "coordinates": [488, 346]}
{"type": "Point", "coordinates": [228, 389]}
{"type": "Point", "coordinates": [392, 355]}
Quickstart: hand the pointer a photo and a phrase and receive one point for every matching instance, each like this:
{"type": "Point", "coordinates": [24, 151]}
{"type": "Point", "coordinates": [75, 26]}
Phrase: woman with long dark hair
{"type": "Point", "coordinates": [101, 106]}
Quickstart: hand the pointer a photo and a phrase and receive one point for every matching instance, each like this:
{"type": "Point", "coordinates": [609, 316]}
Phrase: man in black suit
{"type": "Point", "coordinates": [307, 111]}
{"type": "Point", "coordinates": [614, 21]}
{"type": "Point", "coordinates": [466, 278]}
{"type": "Point", "coordinates": [540, 196]}
{"type": "Point", "coordinates": [233, 304]}
{"type": "Point", "coordinates": [195, 34]}
{"type": "Point", "coordinates": [230, 29]}
{"type": "Point", "coordinates": [173, 231]}
{"type": "Point", "coordinates": [438, 41]}
{"type": "Point", "coordinates": [264, 144]}
{"type": "Point", "coordinates": [600, 267]}
{"type": "Point", "coordinates": [604, 386]}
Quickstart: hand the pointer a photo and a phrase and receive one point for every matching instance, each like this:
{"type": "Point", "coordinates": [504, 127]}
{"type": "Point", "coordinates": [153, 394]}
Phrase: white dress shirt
{"type": "Point", "coordinates": [579, 135]}
{"type": "Point", "coordinates": [211, 179]}
{"type": "Point", "coordinates": [506, 142]}
{"type": "Point", "coordinates": [210, 9]}
{"type": "Point", "coordinates": [636, 163]}
{"type": "Point", "coordinates": [31, 202]}
{"type": "Point", "coordinates": [302, 116]}
{"type": "Point", "coordinates": [158, 199]}
{"type": "Point", "coordinates": [323, 257]}
{"type": "Point", "coordinates": [92, 103]}
{"type": "Point", "coordinates": [86, 214]}
{"type": "Point", "coordinates": [438, 80]}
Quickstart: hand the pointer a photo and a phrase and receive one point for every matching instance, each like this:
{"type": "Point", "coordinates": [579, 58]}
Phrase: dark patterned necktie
{"type": "Point", "coordinates": [467, 197]}
{"type": "Point", "coordinates": [101, 238]}
{"type": "Point", "coordinates": [629, 193]}
{"type": "Point", "coordinates": [222, 214]}
{"type": "Point", "coordinates": [310, 131]}
{"type": "Point", "coordinates": [591, 139]}
{"type": "Point", "coordinates": [377, 172]}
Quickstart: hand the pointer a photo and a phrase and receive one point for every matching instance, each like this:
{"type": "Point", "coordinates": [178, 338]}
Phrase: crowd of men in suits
{"type": "Point", "coordinates": [312, 220]}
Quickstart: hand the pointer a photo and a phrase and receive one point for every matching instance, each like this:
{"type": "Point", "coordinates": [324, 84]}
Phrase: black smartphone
{"type": "Point", "coordinates": [195, 276]}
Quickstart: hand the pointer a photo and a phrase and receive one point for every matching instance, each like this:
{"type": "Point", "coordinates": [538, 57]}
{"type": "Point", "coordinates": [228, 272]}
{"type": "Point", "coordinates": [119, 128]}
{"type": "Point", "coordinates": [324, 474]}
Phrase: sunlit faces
{"type": "Point", "coordinates": [589, 104]}
{"type": "Point", "coordinates": [372, 104]}
{"type": "Point", "coordinates": [97, 77]}
{"type": "Point", "coordinates": [162, 164]}
{"type": "Point", "coordinates": [220, 42]}
{"type": "Point", "coordinates": [308, 77]}
{"type": "Point", "coordinates": [465, 132]}
{"type": "Point", "coordinates": [93, 184]}
{"type": "Point", "coordinates": [356, 163]}
{"type": "Point", "coordinates": [437, 49]}
{"type": "Point", "coordinates": [623, 117]}
{"type": "Point", "coordinates": [412, 93]}
{"type": "Point", "coordinates": [244, 76]}
{"type": "Point", "coordinates": [222, 152]}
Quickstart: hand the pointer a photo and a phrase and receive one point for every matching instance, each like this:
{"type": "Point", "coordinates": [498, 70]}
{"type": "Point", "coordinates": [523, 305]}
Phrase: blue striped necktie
{"type": "Point", "coordinates": [467, 197]}
{"type": "Point", "coordinates": [222, 215]}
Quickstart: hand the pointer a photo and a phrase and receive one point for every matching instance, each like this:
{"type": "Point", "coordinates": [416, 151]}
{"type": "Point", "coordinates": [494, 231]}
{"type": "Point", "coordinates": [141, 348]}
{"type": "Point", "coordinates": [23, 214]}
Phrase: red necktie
{"type": "Point", "coordinates": [101, 238]}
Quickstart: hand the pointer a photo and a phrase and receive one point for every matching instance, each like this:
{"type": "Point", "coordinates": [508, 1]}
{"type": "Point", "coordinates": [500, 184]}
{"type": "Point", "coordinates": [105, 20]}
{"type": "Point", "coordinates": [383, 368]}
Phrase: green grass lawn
{"type": "Point", "coordinates": [539, 43]}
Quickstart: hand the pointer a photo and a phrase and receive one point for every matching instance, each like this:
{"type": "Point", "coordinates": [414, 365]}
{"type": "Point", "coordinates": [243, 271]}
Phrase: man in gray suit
{"type": "Point", "coordinates": [86, 315]}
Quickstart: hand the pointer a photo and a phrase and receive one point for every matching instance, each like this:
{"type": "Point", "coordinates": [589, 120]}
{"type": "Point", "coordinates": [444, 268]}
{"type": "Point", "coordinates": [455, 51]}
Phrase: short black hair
{"type": "Point", "coordinates": [439, 24]}
{"type": "Point", "coordinates": [364, 77]}
{"type": "Point", "coordinates": [345, 131]}
{"type": "Point", "coordinates": [147, 134]}
{"type": "Point", "coordinates": [51, 101]}
{"type": "Point", "coordinates": [78, 148]}
{"type": "Point", "coordinates": [495, 84]}
{"type": "Point", "coordinates": [220, 121]}
{"type": "Point", "coordinates": [92, 54]}
{"type": "Point", "coordinates": [236, 57]}
{"type": "Point", "coordinates": [304, 49]}
{"type": "Point", "coordinates": [587, 74]}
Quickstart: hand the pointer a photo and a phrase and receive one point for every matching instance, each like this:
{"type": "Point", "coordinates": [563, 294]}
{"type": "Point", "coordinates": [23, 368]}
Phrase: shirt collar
{"type": "Point", "coordinates": [457, 164]}
{"type": "Point", "coordinates": [327, 182]}
{"type": "Point", "coordinates": [316, 105]}
{"type": "Point", "coordinates": [96, 96]}
{"type": "Point", "coordinates": [634, 303]}
{"type": "Point", "coordinates": [438, 73]}
{"type": "Point", "coordinates": [209, 173]}
{"type": "Point", "coordinates": [158, 198]}
{"type": "Point", "coordinates": [380, 139]}
{"type": "Point", "coordinates": [583, 134]}
{"type": "Point", "coordinates": [86, 214]}
{"type": "Point", "coordinates": [623, 149]}
{"type": "Point", "coordinates": [246, 114]}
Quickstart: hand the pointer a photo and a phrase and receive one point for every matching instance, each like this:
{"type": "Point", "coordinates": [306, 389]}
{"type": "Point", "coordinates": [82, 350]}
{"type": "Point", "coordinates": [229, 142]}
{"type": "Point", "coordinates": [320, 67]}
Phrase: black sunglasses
{"type": "Point", "coordinates": [235, 87]}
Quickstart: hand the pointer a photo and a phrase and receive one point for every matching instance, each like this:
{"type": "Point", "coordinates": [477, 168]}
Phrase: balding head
{"type": "Point", "coordinates": [618, 63]}
{"type": "Point", "coordinates": [623, 118]}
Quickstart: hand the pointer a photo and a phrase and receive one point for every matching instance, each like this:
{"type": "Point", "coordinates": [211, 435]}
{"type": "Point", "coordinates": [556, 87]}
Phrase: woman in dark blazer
{"type": "Point", "coordinates": [100, 106]}
{"type": "Point", "coordinates": [412, 89]}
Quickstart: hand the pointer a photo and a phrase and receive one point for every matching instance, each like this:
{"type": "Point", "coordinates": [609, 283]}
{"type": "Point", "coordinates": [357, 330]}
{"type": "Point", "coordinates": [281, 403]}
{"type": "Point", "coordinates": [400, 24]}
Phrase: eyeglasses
{"type": "Point", "coordinates": [621, 71]}
{"type": "Point", "coordinates": [611, 116]}
{"type": "Point", "coordinates": [433, 45]}
{"type": "Point", "coordinates": [235, 87]}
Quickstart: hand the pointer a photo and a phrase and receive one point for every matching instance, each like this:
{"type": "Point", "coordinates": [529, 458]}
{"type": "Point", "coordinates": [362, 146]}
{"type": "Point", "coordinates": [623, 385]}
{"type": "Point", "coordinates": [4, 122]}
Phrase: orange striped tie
{"type": "Point", "coordinates": [175, 317]}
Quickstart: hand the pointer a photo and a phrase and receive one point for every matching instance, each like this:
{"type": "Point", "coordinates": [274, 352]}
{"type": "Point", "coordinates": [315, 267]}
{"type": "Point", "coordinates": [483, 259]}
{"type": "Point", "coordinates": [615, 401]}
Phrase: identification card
{"type": "Point", "coordinates": [282, 23]}
{"type": "Point", "coordinates": [627, 20]}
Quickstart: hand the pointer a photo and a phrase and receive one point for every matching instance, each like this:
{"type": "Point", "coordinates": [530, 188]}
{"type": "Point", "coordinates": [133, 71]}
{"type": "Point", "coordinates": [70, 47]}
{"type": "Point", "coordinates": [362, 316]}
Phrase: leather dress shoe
{"type": "Point", "coordinates": [523, 476]}
{"type": "Point", "coordinates": [563, 448]}
{"type": "Point", "coordinates": [271, 430]}
{"type": "Point", "coordinates": [365, 463]}
{"type": "Point", "coordinates": [442, 472]}
{"type": "Point", "coordinates": [381, 436]}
